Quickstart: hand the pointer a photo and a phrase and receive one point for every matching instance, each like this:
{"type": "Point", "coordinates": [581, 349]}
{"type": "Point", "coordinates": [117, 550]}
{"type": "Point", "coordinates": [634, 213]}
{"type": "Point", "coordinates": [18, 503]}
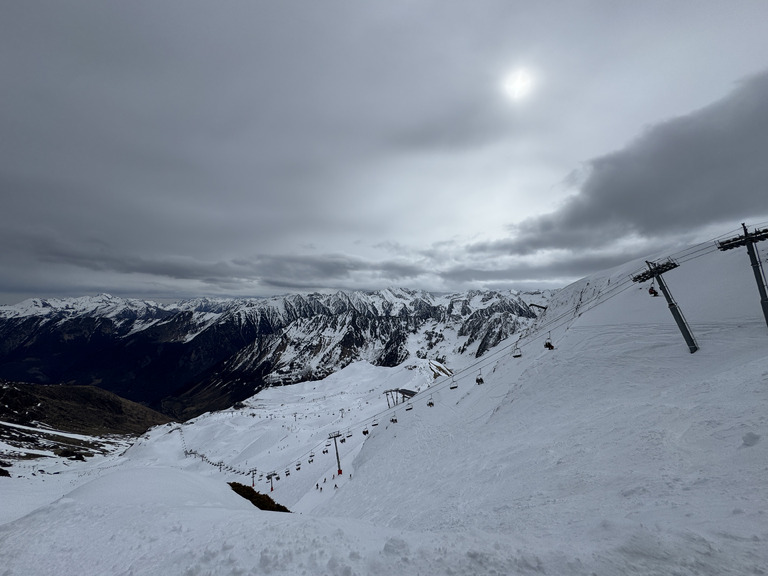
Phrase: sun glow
{"type": "Point", "coordinates": [518, 84]}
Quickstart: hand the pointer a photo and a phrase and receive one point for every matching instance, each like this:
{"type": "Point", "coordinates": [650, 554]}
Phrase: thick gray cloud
{"type": "Point", "coordinates": [708, 167]}
{"type": "Point", "coordinates": [188, 148]}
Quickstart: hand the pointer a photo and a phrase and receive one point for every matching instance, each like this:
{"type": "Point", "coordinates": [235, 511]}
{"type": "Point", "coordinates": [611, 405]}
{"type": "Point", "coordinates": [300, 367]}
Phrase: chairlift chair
{"type": "Point", "coordinates": [454, 384]}
{"type": "Point", "coordinates": [375, 422]}
{"type": "Point", "coordinates": [410, 407]}
{"type": "Point", "coordinates": [393, 419]}
{"type": "Point", "coordinates": [430, 402]}
{"type": "Point", "coordinates": [516, 352]}
{"type": "Point", "coordinates": [342, 440]}
{"type": "Point", "coordinates": [479, 380]}
{"type": "Point", "coordinates": [548, 343]}
{"type": "Point", "coordinates": [365, 431]}
{"type": "Point", "coordinates": [349, 434]}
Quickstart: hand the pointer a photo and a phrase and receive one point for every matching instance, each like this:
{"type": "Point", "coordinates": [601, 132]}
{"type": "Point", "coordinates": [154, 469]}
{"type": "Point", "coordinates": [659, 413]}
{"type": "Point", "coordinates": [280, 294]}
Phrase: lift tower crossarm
{"type": "Point", "coordinates": [655, 270]}
{"type": "Point", "coordinates": [744, 240]}
{"type": "Point", "coordinates": [749, 239]}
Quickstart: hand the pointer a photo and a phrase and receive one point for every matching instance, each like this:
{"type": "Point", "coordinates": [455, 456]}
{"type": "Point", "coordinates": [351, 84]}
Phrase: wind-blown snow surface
{"type": "Point", "coordinates": [618, 452]}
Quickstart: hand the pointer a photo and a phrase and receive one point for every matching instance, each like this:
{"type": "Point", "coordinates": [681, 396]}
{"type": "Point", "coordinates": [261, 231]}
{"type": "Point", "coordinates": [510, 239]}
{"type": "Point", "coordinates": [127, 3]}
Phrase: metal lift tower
{"type": "Point", "coordinates": [749, 239]}
{"type": "Point", "coordinates": [655, 270]}
{"type": "Point", "coordinates": [333, 437]}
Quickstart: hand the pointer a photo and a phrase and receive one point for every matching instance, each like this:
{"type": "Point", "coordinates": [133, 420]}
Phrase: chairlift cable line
{"type": "Point", "coordinates": [535, 332]}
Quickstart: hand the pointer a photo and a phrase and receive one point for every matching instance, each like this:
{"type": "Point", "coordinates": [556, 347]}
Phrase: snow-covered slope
{"type": "Point", "coordinates": [617, 452]}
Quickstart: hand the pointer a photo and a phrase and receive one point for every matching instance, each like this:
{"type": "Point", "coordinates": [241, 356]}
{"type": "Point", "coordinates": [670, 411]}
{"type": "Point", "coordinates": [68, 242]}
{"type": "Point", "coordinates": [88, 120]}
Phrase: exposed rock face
{"type": "Point", "coordinates": [206, 354]}
{"type": "Point", "coordinates": [81, 409]}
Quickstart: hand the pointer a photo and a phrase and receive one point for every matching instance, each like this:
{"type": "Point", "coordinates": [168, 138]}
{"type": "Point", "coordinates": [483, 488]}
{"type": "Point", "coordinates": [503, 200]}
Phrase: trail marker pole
{"type": "Point", "coordinates": [333, 436]}
{"type": "Point", "coordinates": [749, 239]}
{"type": "Point", "coordinates": [655, 271]}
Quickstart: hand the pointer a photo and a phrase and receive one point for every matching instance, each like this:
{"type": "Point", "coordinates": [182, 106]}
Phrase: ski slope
{"type": "Point", "coordinates": [617, 452]}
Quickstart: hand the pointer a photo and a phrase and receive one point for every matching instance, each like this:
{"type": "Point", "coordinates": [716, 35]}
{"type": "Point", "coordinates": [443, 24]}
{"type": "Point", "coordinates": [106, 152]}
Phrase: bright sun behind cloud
{"type": "Point", "coordinates": [517, 85]}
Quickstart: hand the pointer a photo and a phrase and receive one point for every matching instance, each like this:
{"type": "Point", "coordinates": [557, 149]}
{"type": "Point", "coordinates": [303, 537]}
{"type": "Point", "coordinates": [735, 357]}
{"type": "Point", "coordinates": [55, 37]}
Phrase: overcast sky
{"type": "Point", "coordinates": [176, 149]}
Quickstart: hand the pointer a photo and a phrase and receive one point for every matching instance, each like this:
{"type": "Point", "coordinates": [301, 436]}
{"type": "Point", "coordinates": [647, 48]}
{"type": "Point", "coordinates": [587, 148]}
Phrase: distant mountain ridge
{"type": "Point", "coordinates": [203, 354]}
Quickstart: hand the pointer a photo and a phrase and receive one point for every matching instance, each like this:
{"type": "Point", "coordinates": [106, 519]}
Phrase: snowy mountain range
{"type": "Point", "coordinates": [205, 354]}
{"type": "Point", "coordinates": [617, 451]}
